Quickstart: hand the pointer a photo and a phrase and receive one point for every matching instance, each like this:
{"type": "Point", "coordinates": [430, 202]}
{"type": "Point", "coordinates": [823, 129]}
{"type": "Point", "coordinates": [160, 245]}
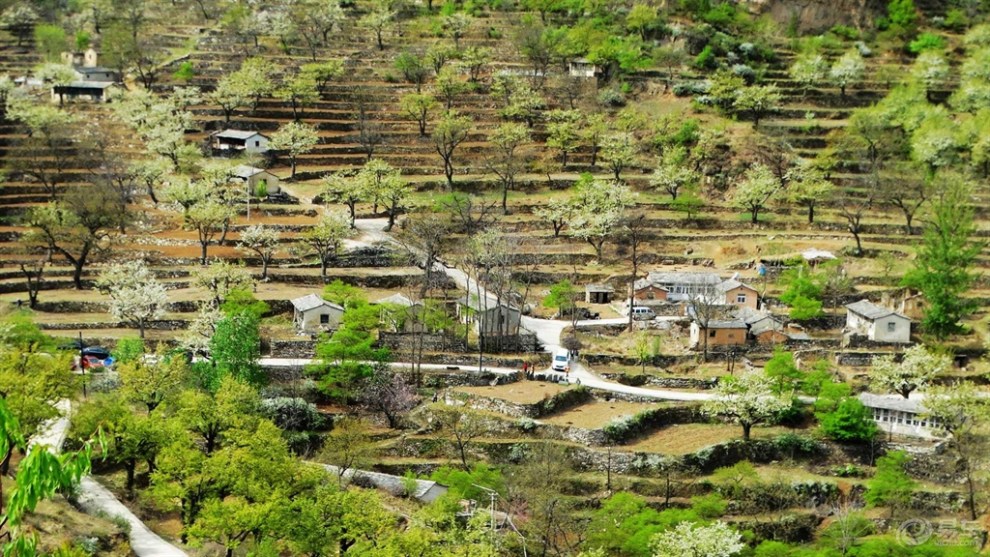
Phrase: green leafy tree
{"type": "Point", "coordinates": [757, 101]}
{"type": "Point", "coordinates": [50, 40]}
{"type": "Point", "coordinates": [782, 369]}
{"type": "Point", "coordinates": [235, 348]}
{"type": "Point", "coordinates": [849, 420]}
{"type": "Point", "coordinates": [506, 162]}
{"type": "Point", "coordinates": [418, 107]}
{"type": "Point", "coordinates": [943, 267]}
{"type": "Point", "coordinates": [890, 486]}
{"type": "Point", "coordinates": [903, 14]}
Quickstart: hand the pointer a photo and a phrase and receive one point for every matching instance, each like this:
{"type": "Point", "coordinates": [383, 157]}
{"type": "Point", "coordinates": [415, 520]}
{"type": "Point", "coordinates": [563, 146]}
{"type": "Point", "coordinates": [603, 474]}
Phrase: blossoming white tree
{"type": "Point", "coordinates": [263, 241]}
{"type": "Point", "coordinates": [136, 296]}
{"type": "Point", "coordinates": [690, 540]}
{"type": "Point", "coordinates": [915, 371]}
{"type": "Point", "coordinates": [746, 400]}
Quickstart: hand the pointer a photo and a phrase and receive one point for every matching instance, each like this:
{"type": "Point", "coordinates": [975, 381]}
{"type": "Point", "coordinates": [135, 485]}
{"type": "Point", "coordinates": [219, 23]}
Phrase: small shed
{"type": "Point", "coordinates": [732, 332]}
{"type": "Point", "coordinates": [598, 293]}
{"type": "Point", "coordinates": [312, 314]}
{"type": "Point", "coordinates": [240, 141]}
{"type": "Point", "coordinates": [895, 414]}
{"type": "Point", "coordinates": [877, 323]}
{"type": "Point", "coordinates": [91, 91]}
{"type": "Point", "coordinates": [254, 177]}
{"type": "Point", "coordinates": [489, 318]}
{"type": "Point", "coordinates": [582, 67]}
{"type": "Point", "coordinates": [815, 256]}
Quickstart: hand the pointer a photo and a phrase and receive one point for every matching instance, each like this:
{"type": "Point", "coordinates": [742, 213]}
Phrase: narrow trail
{"type": "Point", "coordinates": [96, 499]}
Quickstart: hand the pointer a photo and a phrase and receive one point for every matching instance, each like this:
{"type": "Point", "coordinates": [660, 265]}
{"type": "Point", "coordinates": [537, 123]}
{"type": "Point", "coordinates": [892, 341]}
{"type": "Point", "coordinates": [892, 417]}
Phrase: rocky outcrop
{"type": "Point", "coordinates": [818, 15]}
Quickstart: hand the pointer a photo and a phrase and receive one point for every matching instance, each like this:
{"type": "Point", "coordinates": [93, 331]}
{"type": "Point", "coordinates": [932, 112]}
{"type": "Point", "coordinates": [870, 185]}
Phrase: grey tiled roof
{"type": "Point", "coordinates": [870, 310]}
{"type": "Point", "coordinates": [311, 301]}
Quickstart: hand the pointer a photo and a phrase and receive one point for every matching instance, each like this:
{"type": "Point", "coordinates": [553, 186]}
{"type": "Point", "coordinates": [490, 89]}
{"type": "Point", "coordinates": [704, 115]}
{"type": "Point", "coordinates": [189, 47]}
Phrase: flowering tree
{"type": "Point", "coordinates": [931, 71]}
{"type": "Point", "coordinates": [691, 540]}
{"type": "Point", "coordinates": [294, 138]}
{"type": "Point", "coordinates": [847, 70]}
{"type": "Point", "coordinates": [747, 400]}
{"type": "Point", "coordinates": [809, 71]}
{"type": "Point", "coordinates": [673, 173]}
{"type": "Point", "coordinates": [755, 190]}
{"type": "Point", "coordinates": [598, 208]}
{"type": "Point", "coordinates": [136, 296]}
{"type": "Point", "coordinates": [262, 240]}
{"type": "Point", "coordinates": [324, 239]}
{"type": "Point", "coordinates": [388, 393]}
{"type": "Point", "coordinates": [916, 370]}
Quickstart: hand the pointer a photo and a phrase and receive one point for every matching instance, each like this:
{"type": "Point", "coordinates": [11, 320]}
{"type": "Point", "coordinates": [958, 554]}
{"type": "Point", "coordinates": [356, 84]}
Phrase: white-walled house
{"type": "Point", "coordinates": [252, 177]}
{"type": "Point", "coordinates": [489, 318]}
{"type": "Point", "coordinates": [897, 415]}
{"type": "Point", "coordinates": [239, 140]}
{"type": "Point", "coordinates": [312, 314]}
{"type": "Point", "coordinates": [684, 286]}
{"type": "Point", "coordinates": [877, 323]}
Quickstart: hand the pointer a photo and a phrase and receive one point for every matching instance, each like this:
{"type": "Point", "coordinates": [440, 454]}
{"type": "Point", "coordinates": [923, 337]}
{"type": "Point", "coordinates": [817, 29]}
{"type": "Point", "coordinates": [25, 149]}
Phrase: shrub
{"type": "Point", "coordinates": [955, 20]}
{"type": "Point", "coordinates": [526, 425]}
{"type": "Point", "coordinates": [848, 471]}
{"type": "Point", "coordinates": [796, 445]}
{"type": "Point", "coordinates": [292, 413]}
{"type": "Point", "coordinates": [850, 421]}
{"type": "Point", "coordinates": [926, 41]}
{"type": "Point", "coordinates": [185, 73]}
{"type": "Point", "coordinates": [705, 60]}
{"type": "Point", "coordinates": [689, 88]}
{"type": "Point", "coordinates": [688, 133]}
{"type": "Point", "coordinates": [845, 32]}
{"type": "Point", "coordinates": [105, 382]}
{"type": "Point", "coordinates": [745, 72]}
{"type": "Point", "coordinates": [804, 308]}
{"type": "Point", "coordinates": [611, 97]}
{"type": "Point", "coordinates": [128, 350]}
{"type": "Point", "coordinates": [261, 190]}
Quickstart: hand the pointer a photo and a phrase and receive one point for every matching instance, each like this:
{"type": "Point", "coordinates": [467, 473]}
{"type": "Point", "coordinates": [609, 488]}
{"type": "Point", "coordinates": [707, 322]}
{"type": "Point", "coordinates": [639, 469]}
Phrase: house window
{"type": "Point", "coordinates": [741, 298]}
{"type": "Point", "coordinates": [711, 334]}
{"type": "Point", "coordinates": [324, 319]}
{"type": "Point", "coordinates": [257, 143]}
{"type": "Point", "coordinates": [891, 327]}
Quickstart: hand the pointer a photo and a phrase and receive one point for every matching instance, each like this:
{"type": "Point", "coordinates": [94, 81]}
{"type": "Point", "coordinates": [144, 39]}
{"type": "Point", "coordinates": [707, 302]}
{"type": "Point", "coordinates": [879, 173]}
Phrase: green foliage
{"type": "Point", "coordinates": [235, 348]}
{"type": "Point", "coordinates": [82, 40]}
{"type": "Point", "coordinates": [902, 13]}
{"type": "Point", "coordinates": [850, 421]}
{"type": "Point", "coordinates": [242, 301]}
{"type": "Point", "coordinates": [185, 73]}
{"type": "Point", "coordinates": [943, 267]}
{"type": "Point", "coordinates": [890, 486]}
{"type": "Point", "coordinates": [927, 41]}
{"type": "Point", "coordinates": [343, 294]}
{"type": "Point", "coordinates": [784, 372]}
{"type": "Point", "coordinates": [463, 483]}
{"type": "Point", "coordinates": [128, 350]}
{"type": "Point", "coordinates": [50, 40]}
{"type": "Point", "coordinates": [561, 296]}
{"type": "Point", "coordinates": [705, 60]}
{"type": "Point", "coordinates": [346, 358]}
{"type": "Point", "coordinates": [803, 308]}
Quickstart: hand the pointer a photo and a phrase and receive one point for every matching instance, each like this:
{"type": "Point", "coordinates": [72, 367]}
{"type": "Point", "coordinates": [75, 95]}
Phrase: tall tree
{"type": "Point", "coordinates": [506, 162]}
{"type": "Point", "coordinates": [448, 133]}
{"type": "Point", "coordinates": [943, 267]}
{"type": "Point", "coordinates": [598, 209]}
{"type": "Point", "coordinates": [81, 224]}
{"type": "Point", "coordinates": [756, 189]}
{"type": "Point", "coordinates": [324, 239]}
{"type": "Point", "coordinates": [262, 241]}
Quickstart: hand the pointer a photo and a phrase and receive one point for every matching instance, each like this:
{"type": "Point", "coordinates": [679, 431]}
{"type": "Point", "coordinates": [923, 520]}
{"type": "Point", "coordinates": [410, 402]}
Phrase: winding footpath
{"type": "Point", "coordinates": [98, 500]}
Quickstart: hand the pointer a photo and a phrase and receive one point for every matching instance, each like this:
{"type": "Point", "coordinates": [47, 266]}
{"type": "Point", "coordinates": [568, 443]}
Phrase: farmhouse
{"type": "Point", "coordinates": [404, 321]}
{"type": "Point", "coordinates": [895, 414]}
{"type": "Point", "coordinates": [313, 314]}
{"type": "Point", "coordinates": [645, 289]}
{"type": "Point", "coordinates": [255, 177]}
{"type": "Point", "coordinates": [87, 59]}
{"type": "Point", "coordinates": [582, 67]}
{"type": "Point", "coordinates": [684, 286]}
{"type": "Point", "coordinates": [738, 294]}
{"type": "Point", "coordinates": [92, 91]}
{"type": "Point", "coordinates": [489, 319]}
{"type": "Point", "coordinates": [720, 333]}
{"type": "Point", "coordinates": [239, 141]}
{"type": "Point", "coordinates": [877, 323]}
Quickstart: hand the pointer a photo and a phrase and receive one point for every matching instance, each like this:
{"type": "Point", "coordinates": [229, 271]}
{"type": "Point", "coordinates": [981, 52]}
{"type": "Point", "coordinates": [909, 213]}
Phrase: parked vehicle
{"type": "Point", "coordinates": [640, 313]}
{"type": "Point", "coordinates": [561, 360]}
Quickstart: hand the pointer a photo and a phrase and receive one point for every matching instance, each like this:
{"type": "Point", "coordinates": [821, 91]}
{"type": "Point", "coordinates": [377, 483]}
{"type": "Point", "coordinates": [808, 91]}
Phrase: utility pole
{"type": "Point", "coordinates": [492, 495]}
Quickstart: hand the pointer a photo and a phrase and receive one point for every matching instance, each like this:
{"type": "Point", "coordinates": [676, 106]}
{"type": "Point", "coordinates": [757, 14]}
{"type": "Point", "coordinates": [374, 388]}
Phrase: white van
{"type": "Point", "coordinates": [561, 360]}
{"type": "Point", "coordinates": [640, 313]}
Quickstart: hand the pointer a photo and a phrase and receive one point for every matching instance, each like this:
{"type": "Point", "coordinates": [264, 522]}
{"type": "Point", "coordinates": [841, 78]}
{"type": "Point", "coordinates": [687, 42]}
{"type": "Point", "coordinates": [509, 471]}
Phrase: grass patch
{"type": "Point", "coordinates": [684, 439]}
{"type": "Point", "coordinates": [596, 414]}
{"type": "Point", "coordinates": [523, 392]}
